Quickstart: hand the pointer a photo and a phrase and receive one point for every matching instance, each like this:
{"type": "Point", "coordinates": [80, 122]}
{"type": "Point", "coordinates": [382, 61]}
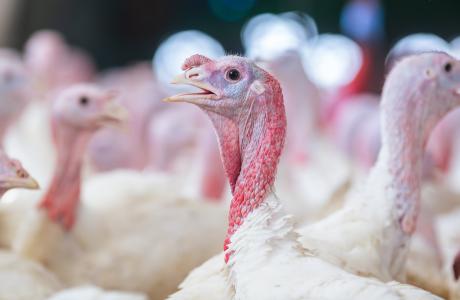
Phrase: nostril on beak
{"type": "Point", "coordinates": [193, 74]}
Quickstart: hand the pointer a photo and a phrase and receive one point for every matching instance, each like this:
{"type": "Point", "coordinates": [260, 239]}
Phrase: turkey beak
{"type": "Point", "coordinates": [113, 114]}
{"type": "Point", "coordinates": [20, 182]}
{"type": "Point", "coordinates": [194, 77]}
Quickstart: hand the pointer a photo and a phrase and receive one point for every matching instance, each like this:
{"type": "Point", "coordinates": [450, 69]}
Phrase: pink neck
{"type": "Point", "coordinates": [65, 186]}
{"type": "Point", "coordinates": [405, 130]}
{"type": "Point", "coordinates": [228, 133]}
{"type": "Point", "coordinates": [260, 141]}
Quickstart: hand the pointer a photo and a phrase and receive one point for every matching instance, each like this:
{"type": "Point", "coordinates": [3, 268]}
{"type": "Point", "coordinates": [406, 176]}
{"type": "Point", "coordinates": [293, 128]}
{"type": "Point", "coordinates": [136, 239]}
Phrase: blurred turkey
{"type": "Point", "coordinates": [20, 278]}
{"type": "Point", "coordinates": [85, 236]}
{"type": "Point", "coordinates": [51, 65]}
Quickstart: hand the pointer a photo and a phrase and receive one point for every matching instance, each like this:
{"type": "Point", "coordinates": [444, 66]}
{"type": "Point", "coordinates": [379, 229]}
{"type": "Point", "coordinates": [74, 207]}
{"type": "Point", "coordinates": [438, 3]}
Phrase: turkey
{"type": "Point", "coordinates": [263, 258]}
{"type": "Point", "coordinates": [86, 236]}
{"type": "Point", "coordinates": [21, 279]}
{"type": "Point", "coordinates": [51, 65]}
{"type": "Point", "coordinates": [371, 235]}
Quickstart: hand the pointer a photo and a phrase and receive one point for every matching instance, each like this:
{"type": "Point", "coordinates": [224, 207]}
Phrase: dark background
{"type": "Point", "coordinates": [117, 32]}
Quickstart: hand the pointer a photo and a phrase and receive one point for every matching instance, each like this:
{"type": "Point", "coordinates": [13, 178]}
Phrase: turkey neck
{"type": "Point", "coordinates": [406, 125]}
{"type": "Point", "coordinates": [259, 135]}
{"type": "Point", "coordinates": [70, 144]}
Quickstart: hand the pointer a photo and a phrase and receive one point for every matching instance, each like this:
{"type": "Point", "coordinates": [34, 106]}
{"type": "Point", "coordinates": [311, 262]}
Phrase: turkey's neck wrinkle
{"type": "Point", "coordinates": [227, 132]}
{"type": "Point", "coordinates": [261, 140]}
{"type": "Point", "coordinates": [71, 145]}
{"type": "Point", "coordinates": [404, 135]}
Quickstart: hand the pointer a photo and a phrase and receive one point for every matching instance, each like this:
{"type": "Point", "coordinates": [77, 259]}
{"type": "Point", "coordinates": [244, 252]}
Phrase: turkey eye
{"type": "Point", "coordinates": [84, 100]}
{"type": "Point", "coordinates": [233, 74]}
{"type": "Point", "coordinates": [448, 67]}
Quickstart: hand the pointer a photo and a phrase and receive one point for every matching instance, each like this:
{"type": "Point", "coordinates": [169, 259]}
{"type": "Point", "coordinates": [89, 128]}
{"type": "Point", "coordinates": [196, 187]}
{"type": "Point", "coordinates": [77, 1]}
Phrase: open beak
{"type": "Point", "coordinates": [207, 91]}
{"type": "Point", "coordinates": [19, 182]}
{"type": "Point", "coordinates": [113, 114]}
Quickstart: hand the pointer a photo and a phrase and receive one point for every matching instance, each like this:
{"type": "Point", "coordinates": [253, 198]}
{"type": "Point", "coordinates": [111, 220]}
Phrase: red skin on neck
{"type": "Point", "coordinates": [63, 195]}
{"type": "Point", "coordinates": [261, 141]}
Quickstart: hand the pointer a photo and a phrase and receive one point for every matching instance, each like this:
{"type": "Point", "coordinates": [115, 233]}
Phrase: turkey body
{"type": "Point", "coordinates": [287, 271]}
{"type": "Point", "coordinates": [136, 236]}
{"type": "Point", "coordinates": [23, 280]}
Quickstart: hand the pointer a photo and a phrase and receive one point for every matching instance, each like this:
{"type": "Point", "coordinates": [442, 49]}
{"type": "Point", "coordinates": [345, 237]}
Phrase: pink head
{"type": "Point", "coordinates": [418, 93]}
{"type": "Point", "coordinates": [13, 175]}
{"type": "Point", "coordinates": [86, 107]}
{"type": "Point", "coordinates": [77, 113]}
{"type": "Point", "coordinates": [42, 50]}
{"type": "Point", "coordinates": [430, 85]}
{"type": "Point", "coordinates": [54, 64]}
{"type": "Point", "coordinates": [245, 104]}
{"type": "Point", "coordinates": [233, 91]}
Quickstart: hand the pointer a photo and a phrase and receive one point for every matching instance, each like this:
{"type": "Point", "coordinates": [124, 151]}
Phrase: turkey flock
{"type": "Point", "coordinates": [282, 180]}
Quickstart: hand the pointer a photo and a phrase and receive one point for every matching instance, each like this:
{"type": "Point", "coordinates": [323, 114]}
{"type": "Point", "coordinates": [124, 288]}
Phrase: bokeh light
{"type": "Point", "coordinates": [332, 60]}
{"type": "Point", "coordinates": [363, 20]}
{"type": "Point", "coordinates": [267, 35]}
{"type": "Point", "coordinates": [455, 47]}
{"type": "Point", "coordinates": [171, 54]}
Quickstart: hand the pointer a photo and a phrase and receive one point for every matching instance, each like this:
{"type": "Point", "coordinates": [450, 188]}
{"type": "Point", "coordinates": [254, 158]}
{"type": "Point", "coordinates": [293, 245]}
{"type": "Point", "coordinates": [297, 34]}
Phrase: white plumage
{"type": "Point", "coordinates": [94, 293]}
{"type": "Point", "coordinates": [136, 230]}
{"type": "Point", "coordinates": [21, 279]}
{"type": "Point", "coordinates": [275, 266]}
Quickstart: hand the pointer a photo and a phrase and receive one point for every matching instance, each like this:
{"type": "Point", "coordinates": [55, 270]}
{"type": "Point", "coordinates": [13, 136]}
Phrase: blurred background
{"type": "Point", "coordinates": [116, 32]}
{"type": "Point", "coordinates": [330, 58]}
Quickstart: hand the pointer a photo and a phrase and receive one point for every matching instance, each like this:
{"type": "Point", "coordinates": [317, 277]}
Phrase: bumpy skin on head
{"type": "Point", "coordinates": [195, 61]}
{"type": "Point", "coordinates": [245, 104]}
{"type": "Point", "coordinates": [77, 114]}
